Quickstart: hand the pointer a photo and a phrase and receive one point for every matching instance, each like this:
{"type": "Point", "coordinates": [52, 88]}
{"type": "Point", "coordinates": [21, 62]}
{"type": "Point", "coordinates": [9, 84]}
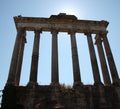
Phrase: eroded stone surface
{"type": "Point", "coordinates": [50, 97]}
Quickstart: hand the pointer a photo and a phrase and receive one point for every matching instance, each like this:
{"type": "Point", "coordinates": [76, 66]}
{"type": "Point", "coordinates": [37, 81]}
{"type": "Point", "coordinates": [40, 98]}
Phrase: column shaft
{"type": "Point", "coordinates": [111, 62]}
{"type": "Point", "coordinates": [20, 59]}
{"type": "Point", "coordinates": [14, 61]}
{"type": "Point", "coordinates": [35, 56]}
{"type": "Point", "coordinates": [55, 76]}
{"type": "Point", "coordinates": [75, 62]}
{"type": "Point", "coordinates": [104, 68]}
{"type": "Point", "coordinates": [94, 64]}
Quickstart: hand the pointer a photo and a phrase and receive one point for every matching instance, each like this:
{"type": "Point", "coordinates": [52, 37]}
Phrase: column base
{"type": "Point", "coordinates": [32, 84]}
{"type": "Point", "coordinates": [98, 84]}
{"type": "Point", "coordinates": [55, 84]}
{"type": "Point", "coordinates": [117, 83]}
{"type": "Point", "coordinates": [10, 84]}
{"type": "Point", "coordinates": [77, 84]}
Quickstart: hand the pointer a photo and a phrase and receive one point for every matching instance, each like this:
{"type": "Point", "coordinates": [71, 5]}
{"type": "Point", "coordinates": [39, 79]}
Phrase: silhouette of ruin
{"type": "Point", "coordinates": [100, 95]}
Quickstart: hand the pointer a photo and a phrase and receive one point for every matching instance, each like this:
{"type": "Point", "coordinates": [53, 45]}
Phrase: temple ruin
{"type": "Point", "coordinates": [100, 95]}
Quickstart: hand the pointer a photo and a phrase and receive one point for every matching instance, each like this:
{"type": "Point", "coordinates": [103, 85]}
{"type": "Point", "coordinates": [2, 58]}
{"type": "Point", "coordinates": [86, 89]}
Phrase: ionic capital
{"type": "Point", "coordinates": [102, 33]}
{"type": "Point", "coordinates": [54, 31]}
{"type": "Point", "coordinates": [98, 39]}
{"type": "Point", "coordinates": [24, 36]}
{"type": "Point", "coordinates": [22, 29]}
{"type": "Point", "coordinates": [37, 31]}
{"type": "Point", "coordinates": [72, 31]}
{"type": "Point", "coordinates": [87, 33]}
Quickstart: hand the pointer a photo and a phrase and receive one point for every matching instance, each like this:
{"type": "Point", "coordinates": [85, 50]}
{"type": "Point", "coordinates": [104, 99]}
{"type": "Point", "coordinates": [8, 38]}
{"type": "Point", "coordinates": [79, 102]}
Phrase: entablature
{"type": "Point", "coordinates": [61, 22]}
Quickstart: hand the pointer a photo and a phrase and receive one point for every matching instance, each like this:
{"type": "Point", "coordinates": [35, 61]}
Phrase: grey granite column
{"type": "Point", "coordinates": [14, 61]}
{"type": "Point", "coordinates": [35, 56]}
{"type": "Point", "coordinates": [94, 64]}
{"type": "Point", "coordinates": [20, 59]}
{"type": "Point", "coordinates": [104, 68]}
{"type": "Point", "coordinates": [55, 75]}
{"type": "Point", "coordinates": [75, 62]}
{"type": "Point", "coordinates": [111, 62]}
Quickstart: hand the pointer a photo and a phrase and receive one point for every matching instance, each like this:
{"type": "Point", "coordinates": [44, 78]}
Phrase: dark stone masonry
{"type": "Point", "coordinates": [100, 95]}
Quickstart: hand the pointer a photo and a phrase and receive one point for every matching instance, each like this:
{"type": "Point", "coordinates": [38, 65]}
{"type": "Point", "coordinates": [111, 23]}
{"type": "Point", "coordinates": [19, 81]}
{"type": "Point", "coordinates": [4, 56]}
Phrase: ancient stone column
{"type": "Point", "coordinates": [55, 75]}
{"type": "Point", "coordinates": [94, 64]}
{"type": "Point", "coordinates": [104, 68]}
{"type": "Point", "coordinates": [35, 56]}
{"type": "Point", "coordinates": [75, 62]}
{"type": "Point", "coordinates": [14, 61]}
{"type": "Point", "coordinates": [111, 62]}
{"type": "Point", "coordinates": [20, 59]}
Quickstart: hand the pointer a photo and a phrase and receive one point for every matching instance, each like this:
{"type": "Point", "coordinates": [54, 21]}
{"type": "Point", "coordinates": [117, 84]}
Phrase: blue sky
{"type": "Point", "coordinates": [84, 9]}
